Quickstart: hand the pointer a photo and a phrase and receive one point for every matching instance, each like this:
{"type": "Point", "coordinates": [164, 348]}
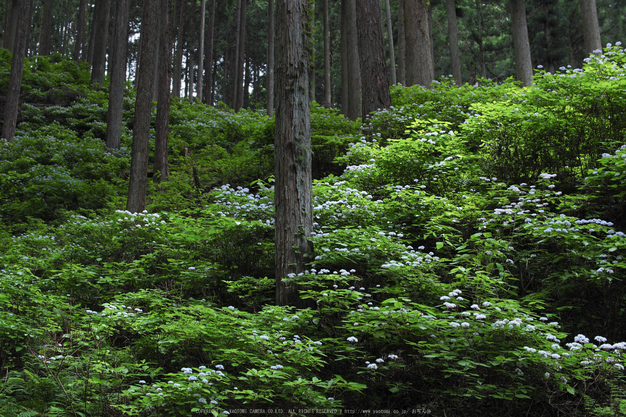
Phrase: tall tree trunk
{"type": "Point", "coordinates": [353, 109]}
{"type": "Point", "coordinates": [208, 57]}
{"type": "Point", "coordinates": [246, 84]}
{"type": "Point", "coordinates": [143, 107]}
{"type": "Point", "coordinates": [312, 30]}
{"type": "Point", "coordinates": [547, 30]}
{"type": "Point", "coordinates": [13, 14]}
{"type": "Point", "coordinates": [392, 54]}
{"type": "Point", "coordinates": [178, 59]}
{"type": "Point", "coordinates": [81, 29]}
{"type": "Point", "coordinates": [190, 78]}
{"type": "Point", "coordinates": [163, 100]}
{"type": "Point", "coordinates": [401, 44]}
{"type": "Point", "coordinates": [233, 61]}
{"type": "Point", "coordinates": [11, 106]}
{"type": "Point", "coordinates": [591, 28]}
{"type": "Point", "coordinates": [328, 102]}
{"type": "Point", "coordinates": [92, 38]}
{"type": "Point", "coordinates": [343, 47]}
{"type": "Point", "coordinates": [101, 31]}
{"type": "Point", "coordinates": [201, 49]}
{"type": "Point", "coordinates": [419, 59]}
{"type": "Point", "coordinates": [374, 74]}
{"type": "Point", "coordinates": [45, 38]}
{"type": "Point", "coordinates": [453, 40]}
{"type": "Point", "coordinates": [270, 57]}
{"type": "Point", "coordinates": [521, 45]}
{"type": "Point", "coordinates": [241, 59]}
{"type": "Point", "coordinates": [118, 75]}
{"type": "Point", "coordinates": [293, 190]}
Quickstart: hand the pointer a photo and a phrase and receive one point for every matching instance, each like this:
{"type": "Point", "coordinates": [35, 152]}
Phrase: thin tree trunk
{"type": "Point", "coordinates": [293, 191]}
{"type": "Point", "coordinates": [11, 106]}
{"type": "Point", "coordinates": [270, 57]}
{"type": "Point", "coordinates": [591, 28]}
{"type": "Point", "coordinates": [354, 66]}
{"type": "Point", "coordinates": [190, 78]}
{"type": "Point", "coordinates": [240, 60]}
{"type": "Point", "coordinates": [143, 108]}
{"type": "Point", "coordinates": [311, 18]}
{"type": "Point", "coordinates": [45, 38]}
{"type": "Point", "coordinates": [12, 25]}
{"type": "Point", "coordinates": [392, 54]}
{"type": "Point", "coordinates": [208, 57]}
{"type": "Point", "coordinates": [201, 49]}
{"type": "Point", "coordinates": [178, 59]}
{"type": "Point", "coordinates": [453, 40]}
{"type": "Point", "coordinates": [118, 75]}
{"type": "Point", "coordinates": [419, 59]}
{"type": "Point", "coordinates": [92, 37]}
{"type": "Point", "coordinates": [246, 84]}
{"type": "Point", "coordinates": [374, 73]}
{"type": "Point", "coordinates": [343, 46]}
{"type": "Point", "coordinates": [521, 45]}
{"type": "Point", "coordinates": [101, 30]}
{"type": "Point", "coordinates": [327, 81]}
{"type": "Point", "coordinates": [161, 165]}
{"type": "Point", "coordinates": [81, 29]}
{"type": "Point", "coordinates": [401, 44]}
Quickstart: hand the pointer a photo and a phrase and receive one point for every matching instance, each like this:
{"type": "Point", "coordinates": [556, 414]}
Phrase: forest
{"type": "Point", "coordinates": [300, 207]}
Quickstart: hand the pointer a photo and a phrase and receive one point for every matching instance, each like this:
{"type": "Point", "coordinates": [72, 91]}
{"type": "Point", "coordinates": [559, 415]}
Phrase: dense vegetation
{"type": "Point", "coordinates": [469, 256]}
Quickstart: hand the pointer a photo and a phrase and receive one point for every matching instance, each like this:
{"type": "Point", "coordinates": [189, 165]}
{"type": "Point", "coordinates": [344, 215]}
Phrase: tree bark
{"type": "Point", "coordinates": [293, 189]}
{"type": "Point", "coordinates": [118, 75]}
{"type": "Point", "coordinates": [12, 24]}
{"type": "Point", "coordinates": [401, 44]}
{"type": "Point", "coordinates": [353, 82]}
{"type": "Point", "coordinates": [143, 108]}
{"type": "Point", "coordinates": [521, 45]}
{"type": "Point", "coordinates": [419, 59]}
{"type": "Point", "coordinates": [311, 19]}
{"type": "Point", "coordinates": [201, 50]}
{"type": "Point", "coordinates": [374, 73]}
{"type": "Point", "coordinates": [45, 38]}
{"type": "Point", "coordinates": [392, 54]}
{"type": "Point", "coordinates": [161, 165]}
{"type": "Point", "coordinates": [241, 58]}
{"type": "Point", "coordinates": [270, 57]}
{"type": "Point", "coordinates": [453, 41]}
{"type": "Point", "coordinates": [11, 106]}
{"type": "Point", "coordinates": [101, 31]}
{"type": "Point", "coordinates": [208, 57]}
{"type": "Point", "coordinates": [327, 80]}
{"type": "Point", "coordinates": [81, 29]}
{"type": "Point", "coordinates": [178, 59]}
{"type": "Point", "coordinates": [591, 27]}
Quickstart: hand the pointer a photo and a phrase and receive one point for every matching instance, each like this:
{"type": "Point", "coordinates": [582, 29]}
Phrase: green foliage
{"type": "Point", "coordinates": [462, 251]}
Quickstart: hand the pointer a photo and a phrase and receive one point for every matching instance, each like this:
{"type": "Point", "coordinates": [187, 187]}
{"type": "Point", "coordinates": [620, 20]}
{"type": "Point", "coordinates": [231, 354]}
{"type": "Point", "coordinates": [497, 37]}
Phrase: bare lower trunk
{"type": "Point", "coordinates": [45, 36]}
{"type": "Point", "coordinates": [118, 76]}
{"type": "Point", "coordinates": [392, 55]}
{"type": "Point", "coordinates": [354, 66]}
{"type": "Point", "coordinates": [11, 105]}
{"type": "Point", "coordinates": [178, 59]}
{"type": "Point", "coordinates": [521, 45]}
{"type": "Point", "coordinates": [327, 81]}
{"type": "Point", "coordinates": [270, 57]}
{"type": "Point", "coordinates": [208, 57]}
{"type": "Point", "coordinates": [101, 31]}
{"type": "Point", "coordinates": [401, 44]}
{"type": "Point", "coordinates": [81, 29]}
{"type": "Point", "coordinates": [201, 50]}
{"type": "Point", "coordinates": [143, 108]}
{"type": "Point", "coordinates": [163, 101]}
{"type": "Point", "coordinates": [591, 28]}
{"type": "Point", "coordinates": [293, 189]}
{"type": "Point", "coordinates": [419, 59]}
{"type": "Point", "coordinates": [453, 40]}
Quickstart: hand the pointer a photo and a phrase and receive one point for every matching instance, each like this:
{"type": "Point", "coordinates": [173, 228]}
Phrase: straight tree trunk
{"type": "Point", "coordinates": [163, 101]}
{"type": "Point", "coordinates": [101, 31]}
{"type": "Point", "coordinates": [178, 59]}
{"type": "Point", "coordinates": [353, 110]}
{"type": "Point", "coordinates": [327, 81]}
{"type": "Point", "coordinates": [401, 44]}
{"type": "Point", "coordinates": [118, 75]}
{"type": "Point", "coordinates": [521, 45]}
{"type": "Point", "coordinates": [241, 59]}
{"type": "Point", "coordinates": [392, 55]}
{"type": "Point", "coordinates": [11, 106]}
{"type": "Point", "coordinates": [45, 38]}
{"type": "Point", "coordinates": [13, 14]}
{"type": "Point", "coordinates": [270, 57]}
{"type": "Point", "coordinates": [208, 57]}
{"type": "Point", "coordinates": [419, 59]}
{"type": "Point", "coordinates": [591, 28]}
{"type": "Point", "coordinates": [374, 73]}
{"type": "Point", "coordinates": [343, 46]}
{"type": "Point", "coordinates": [293, 190]}
{"type": "Point", "coordinates": [453, 40]}
{"type": "Point", "coordinates": [143, 107]}
{"type": "Point", "coordinates": [234, 79]}
{"type": "Point", "coordinates": [190, 78]}
{"type": "Point", "coordinates": [311, 18]}
{"type": "Point", "coordinates": [81, 29]}
{"type": "Point", "coordinates": [92, 38]}
{"type": "Point", "coordinates": [201, 50]}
